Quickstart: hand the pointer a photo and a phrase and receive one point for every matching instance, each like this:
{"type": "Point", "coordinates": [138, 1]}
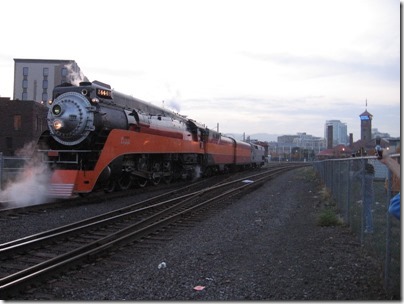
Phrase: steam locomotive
{"type": "Point", "coordinates": [100, 138]}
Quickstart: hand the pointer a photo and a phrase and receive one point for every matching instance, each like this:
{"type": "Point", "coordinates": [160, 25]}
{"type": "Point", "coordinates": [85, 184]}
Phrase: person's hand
{"type": "Point", "coordinates": [391, 163]}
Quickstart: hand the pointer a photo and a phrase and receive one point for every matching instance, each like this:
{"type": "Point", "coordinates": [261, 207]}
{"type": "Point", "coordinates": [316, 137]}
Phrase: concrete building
{"type": "Point", "coordinates": [22, 122]}
{"type": "Point", "coordinates": [377, 133]}
{"type": "Point", "coordinates": [339, 132]}
{"type": "Point", "coordinates": [34, 79]}
{"type": "Point", "coordinates": [286, 146]}
{"type": "Point", "coordinates": [307, 141]}
{"type": "Point", "coordinates": [287, 139]}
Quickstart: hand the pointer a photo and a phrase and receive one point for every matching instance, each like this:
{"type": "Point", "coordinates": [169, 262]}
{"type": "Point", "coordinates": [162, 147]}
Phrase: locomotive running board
{"type": "Point", "coordinates": [62, 183]}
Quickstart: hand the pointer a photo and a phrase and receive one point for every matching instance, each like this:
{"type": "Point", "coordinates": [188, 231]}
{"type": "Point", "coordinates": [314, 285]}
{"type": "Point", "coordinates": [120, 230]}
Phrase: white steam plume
{"type": "Point", "coordinates": [174, 105]}
{"type": "Point", "coordinates": [197, 173]}
{"type": "Point", "coordinates": [174, 102]}
{"type": "Point", "coordinates": [30, 187]}
{"type": "Point", "coordinates": [73, 76]}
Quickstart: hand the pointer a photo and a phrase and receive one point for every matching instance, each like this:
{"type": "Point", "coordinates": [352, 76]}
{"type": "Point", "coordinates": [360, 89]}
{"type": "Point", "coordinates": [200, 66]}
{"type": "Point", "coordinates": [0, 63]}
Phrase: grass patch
{"type": "Point", "coordinates": [325, 196]}
{"type": "Point", "coordinates": [328, 217]}
{"type": "Point", "coordinates": [307, 174]}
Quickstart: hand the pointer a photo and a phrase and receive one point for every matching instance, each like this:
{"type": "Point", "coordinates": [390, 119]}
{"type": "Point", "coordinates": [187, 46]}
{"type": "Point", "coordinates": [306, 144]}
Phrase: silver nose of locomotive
{"type": "Point", "coordinates": [70, 118]}
{"type": "Point", "coordinates": [67, 117]}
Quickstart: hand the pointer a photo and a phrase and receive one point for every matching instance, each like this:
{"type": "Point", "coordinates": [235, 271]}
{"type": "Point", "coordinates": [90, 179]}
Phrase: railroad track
{"type": "Point", "coordinates": [7, 208]}
{"type": "Point", "coordinates": [37, 257]}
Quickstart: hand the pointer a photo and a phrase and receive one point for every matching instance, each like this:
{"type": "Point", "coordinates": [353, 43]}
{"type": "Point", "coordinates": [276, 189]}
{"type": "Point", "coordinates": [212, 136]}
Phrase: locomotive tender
{"type": "Point", "coordinates": [98, 137]}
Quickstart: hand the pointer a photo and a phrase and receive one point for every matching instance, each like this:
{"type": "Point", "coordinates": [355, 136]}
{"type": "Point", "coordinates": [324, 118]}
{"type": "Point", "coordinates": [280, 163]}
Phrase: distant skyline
{"type": "Point", "coordinates": [257, 66]}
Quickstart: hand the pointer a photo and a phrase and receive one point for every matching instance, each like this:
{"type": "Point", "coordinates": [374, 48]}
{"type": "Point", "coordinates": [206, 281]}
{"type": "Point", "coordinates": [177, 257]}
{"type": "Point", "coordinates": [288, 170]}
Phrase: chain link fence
{"type": "Point", "coordinates": [10, 167]}
{"type": "Point", "coordinates": [362, 188]}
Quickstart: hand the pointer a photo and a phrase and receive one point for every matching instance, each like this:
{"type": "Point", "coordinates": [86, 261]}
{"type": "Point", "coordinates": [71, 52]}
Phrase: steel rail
{"type": "Point", "coordinates": [104, 218]}
{"type": "Point", "coordinates": [133, 231]}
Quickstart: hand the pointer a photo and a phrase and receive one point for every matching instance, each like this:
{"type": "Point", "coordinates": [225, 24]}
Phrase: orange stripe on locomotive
{"type": "Point", "coordinates": [123, 142]}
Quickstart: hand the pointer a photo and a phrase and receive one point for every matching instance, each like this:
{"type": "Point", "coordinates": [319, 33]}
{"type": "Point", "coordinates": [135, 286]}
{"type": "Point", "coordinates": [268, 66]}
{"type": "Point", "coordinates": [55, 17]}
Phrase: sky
{"type": "Point", "coordinates": [251, 66]}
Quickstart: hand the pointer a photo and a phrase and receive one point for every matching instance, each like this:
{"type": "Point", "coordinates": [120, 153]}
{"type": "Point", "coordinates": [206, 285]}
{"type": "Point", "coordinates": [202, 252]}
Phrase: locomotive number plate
{"type": "Point", "coordinates": [104, 93]}
{"type": "Point", "coordinates": [125, 140]}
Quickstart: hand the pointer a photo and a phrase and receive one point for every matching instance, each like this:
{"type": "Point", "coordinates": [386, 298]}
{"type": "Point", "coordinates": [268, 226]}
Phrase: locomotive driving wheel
{"type": "Point", "coordinates": [167, 172]}
{"type": "Point", "coordinates": [141, 166]}
{"type": "Point", "coordinates": [125, 181]}
{"type": "Point", "coordinates": [156, 173]}
{"type": "Point", "coordinates": [141, 182]}
{"type": "Point", "coordinates": [110, 187]}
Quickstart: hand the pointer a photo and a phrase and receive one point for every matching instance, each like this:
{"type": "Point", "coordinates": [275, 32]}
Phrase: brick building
{"type": "Point", "coordinates": [21, 123]}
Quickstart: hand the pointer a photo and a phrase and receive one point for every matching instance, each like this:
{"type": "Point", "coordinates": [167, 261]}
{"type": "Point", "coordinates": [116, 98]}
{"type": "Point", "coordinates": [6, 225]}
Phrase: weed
{"type": "Point", "coordinates": [325, 195]}
{"type": "Point", "coordinates": [328, 217]}
{"type": "Point", "coordinates": [307, 173]}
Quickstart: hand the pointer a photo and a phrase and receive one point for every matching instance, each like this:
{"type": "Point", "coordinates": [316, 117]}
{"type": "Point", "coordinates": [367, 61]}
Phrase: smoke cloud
{"type": "Point", "coordinates": [174, 105]}
{"type": "Point", "coordinates": [73, 76]}
{"type": "Point", "coordinates": [30, 186]}
{"type": "Point", "coordinates": [174, 102]}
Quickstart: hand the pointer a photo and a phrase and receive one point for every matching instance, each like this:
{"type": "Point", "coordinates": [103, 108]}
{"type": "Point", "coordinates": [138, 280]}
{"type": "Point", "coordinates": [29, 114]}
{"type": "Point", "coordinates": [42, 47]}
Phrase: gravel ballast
{"type": "Point", "coordinates": [266, 245]}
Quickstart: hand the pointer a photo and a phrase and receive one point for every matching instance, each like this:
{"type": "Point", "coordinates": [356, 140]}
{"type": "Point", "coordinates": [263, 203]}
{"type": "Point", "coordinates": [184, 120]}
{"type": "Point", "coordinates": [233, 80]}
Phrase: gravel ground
{"type": "Point", "coordinates": [264, 246]}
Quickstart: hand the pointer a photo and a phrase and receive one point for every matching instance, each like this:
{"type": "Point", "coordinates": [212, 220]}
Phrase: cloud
{"type": "Point", "coordinates": [319, 66]}
{"type": "Point", "coordinates": [252, 66]}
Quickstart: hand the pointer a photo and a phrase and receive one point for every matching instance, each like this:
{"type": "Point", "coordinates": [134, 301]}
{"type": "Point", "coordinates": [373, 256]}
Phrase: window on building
{"type": "Point", "coordinates": [45, 71]}
{"type": "Point", "coordinates": [24, 96]}
{"type": "Point", "coordinates": [17, 122]}
{"type": "Point", "coordinates": [44, 84]}
{"type": "Point", "coordinates": [64, 72]}
{"type": "Point", "coordinates": [45, 97]}
{"type": "Point", "coordinates": [25, 71]}
{"type": "Point", "coordinates": [25, 84]}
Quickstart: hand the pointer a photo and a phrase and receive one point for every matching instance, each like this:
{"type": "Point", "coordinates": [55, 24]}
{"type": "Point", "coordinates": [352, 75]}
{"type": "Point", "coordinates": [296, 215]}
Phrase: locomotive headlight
{"type": "Point", "coordinates": [56, 110]}
{"type": "Point", "coordinates": [57, 124]}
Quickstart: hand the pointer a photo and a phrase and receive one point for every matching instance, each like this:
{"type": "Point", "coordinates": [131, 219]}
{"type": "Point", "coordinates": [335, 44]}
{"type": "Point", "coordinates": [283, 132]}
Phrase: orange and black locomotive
{"type": "Point", "coordinates": [98, 137]}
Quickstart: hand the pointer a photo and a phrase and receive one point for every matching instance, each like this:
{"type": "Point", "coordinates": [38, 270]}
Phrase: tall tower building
{"type": "Point", "coordinates": [366, 126]}
{"type": "Point", "coordinates": [34, 79]}
{"type": "Point", "coordinates": [339, 132]}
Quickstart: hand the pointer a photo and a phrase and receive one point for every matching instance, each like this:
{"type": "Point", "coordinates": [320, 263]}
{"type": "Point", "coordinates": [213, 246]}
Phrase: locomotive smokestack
{"type": "Point", "coordinates": [217, 127]}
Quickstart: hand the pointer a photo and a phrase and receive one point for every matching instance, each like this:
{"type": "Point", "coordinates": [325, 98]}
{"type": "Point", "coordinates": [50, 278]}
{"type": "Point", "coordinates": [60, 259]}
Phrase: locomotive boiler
{"type": "Point", "coordinates": [98, 137]}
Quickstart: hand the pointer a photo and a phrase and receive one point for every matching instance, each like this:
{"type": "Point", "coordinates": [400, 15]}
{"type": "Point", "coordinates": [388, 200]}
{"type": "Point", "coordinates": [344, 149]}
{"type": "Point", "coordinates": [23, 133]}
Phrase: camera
{"type": "Point", "coordinates": [378, 148]}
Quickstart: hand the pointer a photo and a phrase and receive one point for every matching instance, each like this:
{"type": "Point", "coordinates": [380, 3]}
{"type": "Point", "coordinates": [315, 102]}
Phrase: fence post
{"type": "Point", "coordinates": [387, 261]}
{"type": "Point", "coordinates": [348, 193]}
{"type": "Point", "coordinates": [367, 197]}
{"type": "Point", "coordinates": [363, 198]}
{"type": "Point", "coordinates": [339, 181]}
{"type": "Point", "coordinates": [1, 170]}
